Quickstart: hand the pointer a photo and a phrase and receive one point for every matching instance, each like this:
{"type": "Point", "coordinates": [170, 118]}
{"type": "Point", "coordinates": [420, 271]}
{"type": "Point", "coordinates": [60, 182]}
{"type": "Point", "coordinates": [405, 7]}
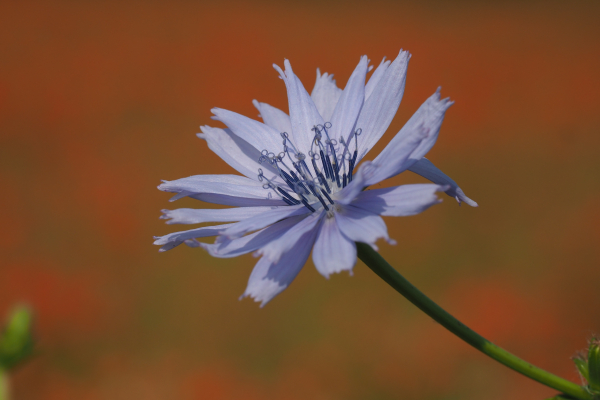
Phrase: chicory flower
{"type": "Point", "coordinates": [299, 187]}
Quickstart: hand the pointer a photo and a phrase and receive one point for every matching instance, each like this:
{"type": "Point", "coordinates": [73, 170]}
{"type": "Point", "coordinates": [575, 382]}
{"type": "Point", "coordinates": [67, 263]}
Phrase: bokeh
{"type": "Point", "coordinates": [100, 100]}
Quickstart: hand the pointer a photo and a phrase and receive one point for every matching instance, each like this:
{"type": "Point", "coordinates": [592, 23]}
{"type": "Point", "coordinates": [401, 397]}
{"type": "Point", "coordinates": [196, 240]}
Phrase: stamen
{"type": "Point", "coordinates": [314, 163]}
{"type": "Point", "coordinates": [307, 205]}
{"type": "Point", "coordinates": [303, 185]}
{"type": "Point", "coordinates": [353, 161]}
{"type": "Point", "coordinates": [287, 196]}
{"type": "Point", "coordinates": [325, 165]}
{"type": "Point", "coordinates": [336, 166]}
{"type": "Point", "coordinates": [305, 166]}
{"type": "Point", "coordinates": [323, 182]}
{"type": "Point", "coordinates": [337, 174]}
{"type": "Point", "coordinates": [286, 138]}
{"type": "Point", "coordinates": [312, 189]}
{"type": "Point", "coordinates": [326, 195]}
{"type": "Point", "coordinates": [322, 202]}
{"type": "Point", "coordinates": [331, 174]}
{"type": "Point", "coordinates": [288, 179]}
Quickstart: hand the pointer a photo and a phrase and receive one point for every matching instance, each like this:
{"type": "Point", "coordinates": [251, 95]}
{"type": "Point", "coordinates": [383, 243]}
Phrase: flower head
{"type": "Point", "coordinates": [300, 188]}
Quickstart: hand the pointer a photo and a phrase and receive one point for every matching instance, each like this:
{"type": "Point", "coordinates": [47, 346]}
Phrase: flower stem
{"type": "Point", "coordinates": [3, 384]}
{"type": "Point", "coordinates": [386, 272]}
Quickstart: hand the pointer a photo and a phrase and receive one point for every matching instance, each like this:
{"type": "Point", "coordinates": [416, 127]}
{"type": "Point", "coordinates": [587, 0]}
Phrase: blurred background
{"type": "Point", "coordinates": [100, 100]}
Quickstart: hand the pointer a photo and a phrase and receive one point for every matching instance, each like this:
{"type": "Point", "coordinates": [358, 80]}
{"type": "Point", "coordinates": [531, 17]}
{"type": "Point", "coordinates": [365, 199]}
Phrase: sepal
{"type": "Point", "coordinates": [594, 366]}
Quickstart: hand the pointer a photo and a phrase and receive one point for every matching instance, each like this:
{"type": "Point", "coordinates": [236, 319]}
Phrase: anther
{"type": "Point", "coordinates": [305, 166]}
{"type": "Point", "coordinates": [323, 182]}
{"type": "Point", "coordinates": [314, 164]}
{"type": "Point", "coordinates": [287, 196]}
{"type": "Point", "coordinates": [325, 166]}
{"type": "Point", "coordinates": [326, 195]}
{"type": "Point", "coordinates": [322, 202]}
{"type": "Point", "coordinates": [307, 205]}
{"type": "Point", "coordinates": [351, 166]}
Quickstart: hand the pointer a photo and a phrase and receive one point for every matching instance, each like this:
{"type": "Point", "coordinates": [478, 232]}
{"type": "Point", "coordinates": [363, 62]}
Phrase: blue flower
{"type": "Point", "coordinates": [299, 188]}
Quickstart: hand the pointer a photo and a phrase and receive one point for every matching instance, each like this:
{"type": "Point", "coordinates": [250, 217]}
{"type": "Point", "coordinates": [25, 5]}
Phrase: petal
{"type": "Point", "coordinates": [260, 136]}
{"type": "Point", "coordinates": [226, 189]}
{"type": "Point", "coordinates": [198, 216]}
{"type": "Point", "coordinates": [235, 201]}
{"type": "Point", "coordinates": [349, 105]}
{"type": "Point", "coordinates": [276, 248]}
{"type": "Point", "coordinates": [426, 169]}
{"type": "Point", "coordinates": [333, 251]}
{"type": "Point", "coordinates": [399, 201]}
{"type": "Point", "coordinates": [325, 94]}
{"type": "Point", "coordinates": [273, 117]}
{"type": "Point", "coordinates": [235, 151]}
{"type": "Point", "coordinates": [268, 279]}
{"type": "Point", "coordinates": [233, 185]}
{"type": "Point", "coordinates": [361, 226]}
{"type": "Point", "coordinates": [415, 138]}
{"type": "Point", "coordinates": [370, 173]}
{"type": "Point", "coordinates": [176, 238]}
{"type": "Point", "coordinates": [262, 220]}
{"type": "Point", "coordinates": [359, 182]}
{"type": "Point", "coordinates": [376, 77]}
{"type": "Point", "coordinates": [303, 112]}
{"type": "Point", "coordinates": [381, 106]}
{"type": "Point", "coordinates": [429, 117]}
{"type": "Point", "coordinates": [226, 248]}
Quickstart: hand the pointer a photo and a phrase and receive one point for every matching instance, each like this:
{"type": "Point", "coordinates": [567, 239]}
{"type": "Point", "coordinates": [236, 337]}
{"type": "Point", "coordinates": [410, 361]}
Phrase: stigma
{"type": "Point", "coordinates": [332, 168]}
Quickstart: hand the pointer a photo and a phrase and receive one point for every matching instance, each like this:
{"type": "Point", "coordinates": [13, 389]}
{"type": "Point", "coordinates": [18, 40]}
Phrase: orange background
{"type": "Point", "coordinates": [100, 100]}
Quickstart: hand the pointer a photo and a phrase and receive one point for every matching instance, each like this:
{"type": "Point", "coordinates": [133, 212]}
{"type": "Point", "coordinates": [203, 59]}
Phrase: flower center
{"type": "Point", "coordinates": [306, 186]}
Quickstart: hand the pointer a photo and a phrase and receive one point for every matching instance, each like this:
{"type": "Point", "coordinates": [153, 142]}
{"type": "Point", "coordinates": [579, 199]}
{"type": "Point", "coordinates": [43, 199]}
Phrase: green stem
{"type": "Point", "coordinates": [386, 272]}
{"type": "Point", "coordinates": [3, 385]}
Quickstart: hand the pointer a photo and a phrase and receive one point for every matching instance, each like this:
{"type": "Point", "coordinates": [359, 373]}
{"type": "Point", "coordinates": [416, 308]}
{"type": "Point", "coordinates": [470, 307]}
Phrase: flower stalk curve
{"type": "Point", "coordinates": [385, 271]}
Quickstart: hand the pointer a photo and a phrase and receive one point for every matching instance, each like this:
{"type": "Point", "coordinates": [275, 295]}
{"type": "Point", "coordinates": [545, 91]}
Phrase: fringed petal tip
{"type": "Point", "coordinates": [172, 244]}
{"type": "Point", "coordinates": [403, 53]}
{"type": "Point", "coordinates": [438, 97]}
{"type": "Point", "coordinates": [256, 105]}
{"type": "Point", "coordinates": [256, 300]}
{"type": "Point", "coordinates": [203, 130]}
{"type": "Point", "coordinates": [328, 275]}
{"type": "Point", "coordinates": [388, 240]}
{"type": "Point", "coordinates": [280, 71]}
{"type": "Point", "coordinates": [263, 291]}
{"type": "Point", "coordinates": [162, 185]}
{"type": "Point", "coordinates": [325, 76]}
{"type": "Point", "coordinates": [288, 66]}
{"type": "Point", "coordinates": [462, 198]}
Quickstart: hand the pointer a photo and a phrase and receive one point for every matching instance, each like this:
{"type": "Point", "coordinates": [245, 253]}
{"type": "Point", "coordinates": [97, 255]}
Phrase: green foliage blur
{"type": "Point", "coordinates": [16, 341]}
